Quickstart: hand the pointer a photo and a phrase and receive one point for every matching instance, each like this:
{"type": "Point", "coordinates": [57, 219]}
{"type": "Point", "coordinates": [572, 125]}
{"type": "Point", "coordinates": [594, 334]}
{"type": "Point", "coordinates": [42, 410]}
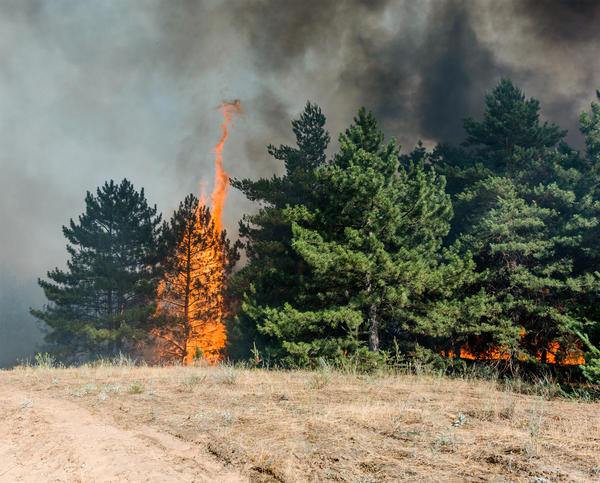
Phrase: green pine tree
{"type": "Point", "coordinates": [586, 308]}
{"type": "Point", "coordinates": [372, 244]}
{"type": "Point", "coordinates": [104, 297]}
{"type": "Point", "coordinates": [274, 272]}
{"type": "Point", "coordinates": [516, 204]}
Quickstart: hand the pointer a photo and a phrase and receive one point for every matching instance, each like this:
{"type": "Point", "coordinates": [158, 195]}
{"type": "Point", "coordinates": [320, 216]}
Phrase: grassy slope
{"type": "Point", "coordinates": [327, 426]}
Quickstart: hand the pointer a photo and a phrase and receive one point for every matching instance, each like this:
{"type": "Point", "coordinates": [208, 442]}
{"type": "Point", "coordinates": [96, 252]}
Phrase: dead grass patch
{"type": "Point", "coordinates": [328, 426]}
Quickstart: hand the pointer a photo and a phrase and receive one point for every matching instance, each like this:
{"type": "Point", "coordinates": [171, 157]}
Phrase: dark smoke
{"type": "Point", "coordinates": [455, 70]}
{"type": "Point", "coordinates": [572, 21]}
{"type": "Point", "coordinates": [281, 33]}
{"type": "Point", "coordinates": [91, 91]}
{"type": "Point", "coordinates": [435, 63]}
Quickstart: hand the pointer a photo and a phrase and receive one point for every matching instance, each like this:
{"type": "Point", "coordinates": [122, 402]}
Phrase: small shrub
{"type": "Point", "coordinates": [135, 389]}
{"type": "Point", "coordinates": [535, 422]}
{"type": "Point", "coordinates": [442, 443]}
{"type": "Point", "coordinates": [45, 360]}
{"type": "Point", "coordinates": [461, 420]}
{"type": "Point", "coordinates": [190, 381]}
{"type": "Point", "coordinates": [198, 354]}
{"type": "Point", "coordinates": [364, 361]}
{"type": "Point", "coordinates": [431, 362]}
{"type": "Point", "coordinates": [319, 380]}
{"type": "Point", "coordinates": [89, 388]}
{"type": "Point", "coordinates": [545, 386]}
{"type": "Point", "coordinates": [227, 375]}
{"type": "Point", "coordinates": [321, 376]}
{"type": "Point", "coordinates": [508, 411]}
{"type": "Point", "coordinates": [255, 360]}
{"type": "Point", "coordinates": [228, 418]}
{"type": "Point", "coordinates": [124, 360]}
{"type": "Point", "coordinates": [25, 404]}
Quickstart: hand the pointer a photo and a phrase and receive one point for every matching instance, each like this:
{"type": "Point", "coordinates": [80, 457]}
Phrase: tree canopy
{"type": "Point", "coordinates": [191, 302]}
{"type": "Point", "coordinates": [105, 295]}
{"type": "Point", "coordinates": [484, 250]}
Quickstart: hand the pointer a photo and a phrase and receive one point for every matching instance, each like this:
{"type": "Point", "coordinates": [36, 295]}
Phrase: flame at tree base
{"type": "Point", "coordinates": [552, 354]}
{"type": "Point", "coordinates": [206, 342]}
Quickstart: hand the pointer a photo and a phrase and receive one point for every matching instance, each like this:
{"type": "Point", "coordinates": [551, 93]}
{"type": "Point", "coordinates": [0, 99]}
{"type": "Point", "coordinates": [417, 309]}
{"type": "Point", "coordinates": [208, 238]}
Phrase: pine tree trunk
{"type": "Point", "coordinates": [188, 290]}
{"type": "Point", "coordinates": [373, 329]}
{"type": "Point", "coordinates": [109, 303]}
{"type": "Point", "coordinates": [113, 323]}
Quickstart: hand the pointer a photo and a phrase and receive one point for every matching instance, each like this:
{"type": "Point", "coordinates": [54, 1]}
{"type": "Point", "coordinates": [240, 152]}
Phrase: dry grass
{"type": "Point", "coordinates": [328, 426]}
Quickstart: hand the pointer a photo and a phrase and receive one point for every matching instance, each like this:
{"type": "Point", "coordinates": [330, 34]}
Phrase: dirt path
{"type": "Point", "coordinates": [44, 439]}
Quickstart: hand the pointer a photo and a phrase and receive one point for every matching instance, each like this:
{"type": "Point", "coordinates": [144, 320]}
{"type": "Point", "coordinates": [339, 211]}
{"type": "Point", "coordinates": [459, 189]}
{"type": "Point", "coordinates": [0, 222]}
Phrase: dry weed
{"type": "Point", "coordinates": [330, 426]}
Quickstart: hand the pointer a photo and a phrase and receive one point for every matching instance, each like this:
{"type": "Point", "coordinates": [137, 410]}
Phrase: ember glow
{"type": "Point", "coordinates": [552, 354]}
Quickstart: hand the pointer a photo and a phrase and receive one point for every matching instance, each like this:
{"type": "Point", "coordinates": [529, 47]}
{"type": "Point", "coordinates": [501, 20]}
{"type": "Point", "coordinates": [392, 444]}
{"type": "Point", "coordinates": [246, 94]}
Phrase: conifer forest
{"type": "Point", "coordinates": [271, 241]}
{"type": "Point", "coordinates": [483, 251]}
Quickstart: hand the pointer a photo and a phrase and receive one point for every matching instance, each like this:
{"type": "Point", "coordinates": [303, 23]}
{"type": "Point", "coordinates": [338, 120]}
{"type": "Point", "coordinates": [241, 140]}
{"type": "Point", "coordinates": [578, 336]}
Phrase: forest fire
{"type": "Point", "coordinates": [206, 336]}
{"type": "Point", "coordinates": [550, 355]}
{"type": "Point", "coordinates": [190, 295]}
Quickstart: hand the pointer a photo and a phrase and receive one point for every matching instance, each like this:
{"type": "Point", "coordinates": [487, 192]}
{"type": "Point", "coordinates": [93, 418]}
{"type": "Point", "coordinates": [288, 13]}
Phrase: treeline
{"type": "Point", "coordinates": [137, 285]}
{"type": "Point", "coordinates": [488, 249]}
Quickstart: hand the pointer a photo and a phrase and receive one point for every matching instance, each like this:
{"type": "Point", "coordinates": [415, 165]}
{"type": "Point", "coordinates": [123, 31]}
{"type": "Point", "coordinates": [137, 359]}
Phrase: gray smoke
{"type": "Point", "coordinates": [91, 91]}
{"type": "Point", "coordinates": [20, 333]}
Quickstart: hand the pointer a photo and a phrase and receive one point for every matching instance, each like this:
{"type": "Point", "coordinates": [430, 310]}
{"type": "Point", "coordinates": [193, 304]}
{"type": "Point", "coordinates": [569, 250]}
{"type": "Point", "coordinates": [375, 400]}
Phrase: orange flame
{"type": "Point", "coordinates": [207, 335]}
{"type": "Point", "coordinates": [228, 109]}
{"type": "Point", "coordinates": [574, 357]}
{"type": "Point", "coordinates": [191, 294]}
{"type": "Point", "coordinates": [201, 309]}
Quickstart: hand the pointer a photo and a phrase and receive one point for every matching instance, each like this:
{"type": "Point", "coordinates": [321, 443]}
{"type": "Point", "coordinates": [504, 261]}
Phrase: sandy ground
{"type": "Point", "coordinates": [44, 439]}
{"type": "Point", "coordinates": [126, 423]}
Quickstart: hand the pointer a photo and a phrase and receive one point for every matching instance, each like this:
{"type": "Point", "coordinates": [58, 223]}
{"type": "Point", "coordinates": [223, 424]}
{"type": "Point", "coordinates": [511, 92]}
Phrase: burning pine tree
{"type": "Point", "coordinates": [191, 302]}
{"type": "Point", "coordinates": [191, 298]}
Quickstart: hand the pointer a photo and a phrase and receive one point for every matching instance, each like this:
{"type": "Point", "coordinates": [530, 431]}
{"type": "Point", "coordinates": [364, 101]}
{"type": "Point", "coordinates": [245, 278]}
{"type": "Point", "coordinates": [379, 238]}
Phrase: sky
{"type": "Point", "coordinates": [105, 89]}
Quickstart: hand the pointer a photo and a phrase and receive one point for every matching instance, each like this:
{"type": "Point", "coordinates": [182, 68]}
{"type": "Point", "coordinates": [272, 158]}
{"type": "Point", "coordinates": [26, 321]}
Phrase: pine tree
{"type": "Point", "coordinates": [586, 307]}
{"type": "Point", "coordinates": [103, 298]}
{"type": "Point", "coordinates": [516, 205]}
{"type": "Point", "coordinates": [372, 245]}
{"type": "Point", "coordinates": [274, 272]}
{"type": "Point", "coordinates": [197, 265]}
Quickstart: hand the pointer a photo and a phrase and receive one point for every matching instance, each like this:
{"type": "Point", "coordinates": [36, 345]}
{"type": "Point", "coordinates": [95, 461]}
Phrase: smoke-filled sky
{"type": "Point", "coordinates": [96, 90]}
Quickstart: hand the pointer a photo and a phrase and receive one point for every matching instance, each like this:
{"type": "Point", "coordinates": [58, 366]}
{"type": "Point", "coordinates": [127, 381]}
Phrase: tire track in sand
{"type": "Point", "coordinates": [56, 440]}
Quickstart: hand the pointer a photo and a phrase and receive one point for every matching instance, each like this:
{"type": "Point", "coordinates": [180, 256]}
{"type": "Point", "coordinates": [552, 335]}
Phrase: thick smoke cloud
{"type": "Point", "coordinates": [562, 20]}
{"type": "Point", "coordinates": [91, 91]}
{"type": "Point", "coordinates": [423, 66]}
